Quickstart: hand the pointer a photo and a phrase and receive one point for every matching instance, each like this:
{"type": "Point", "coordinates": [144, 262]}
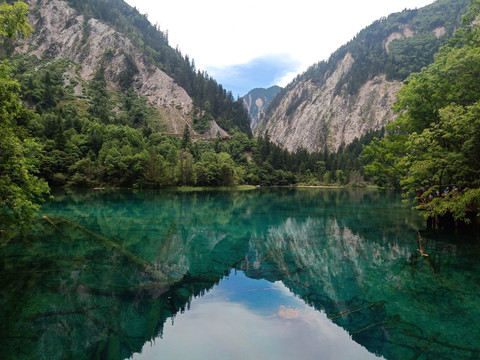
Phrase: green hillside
{"type": "Point", "coordinates": [203, 89]}
{"type": "Point", "coordinates": [432, 149]}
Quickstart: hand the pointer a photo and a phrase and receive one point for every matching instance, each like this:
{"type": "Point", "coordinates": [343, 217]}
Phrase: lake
{"type": "Point", "coordinates": [260, 274]}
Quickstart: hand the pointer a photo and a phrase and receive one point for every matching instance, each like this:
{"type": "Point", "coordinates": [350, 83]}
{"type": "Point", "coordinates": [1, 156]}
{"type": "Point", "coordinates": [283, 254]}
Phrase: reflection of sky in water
{"type": "Point", "coordinates": [243, 319]}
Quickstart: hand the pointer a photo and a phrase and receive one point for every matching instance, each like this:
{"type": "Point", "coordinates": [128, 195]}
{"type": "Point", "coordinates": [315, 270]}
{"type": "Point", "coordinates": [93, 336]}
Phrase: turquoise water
{"type": "Point", "coordinates": [261, 274]}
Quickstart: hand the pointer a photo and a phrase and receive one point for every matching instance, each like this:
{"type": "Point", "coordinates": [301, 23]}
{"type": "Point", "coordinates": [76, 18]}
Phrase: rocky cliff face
{"type": "Point", "coordinates": [61, 32]}
{"type": "Point", "coordinates": [313, 117]}
{"type": "Point", "coordinates": [341, 99]}
{"type": "Point", "coordinates": [257, 101]}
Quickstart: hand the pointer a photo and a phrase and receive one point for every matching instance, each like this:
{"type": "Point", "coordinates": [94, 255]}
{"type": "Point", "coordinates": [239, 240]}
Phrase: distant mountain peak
{"type": "Point", "coordinates": [257, 102]}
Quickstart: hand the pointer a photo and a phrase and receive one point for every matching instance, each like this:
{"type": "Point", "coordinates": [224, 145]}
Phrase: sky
{"type": "Point", "coordinates": [259, 43]}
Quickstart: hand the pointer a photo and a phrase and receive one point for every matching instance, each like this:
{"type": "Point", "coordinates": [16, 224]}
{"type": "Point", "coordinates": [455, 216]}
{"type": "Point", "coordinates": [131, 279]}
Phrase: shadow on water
{"type": "Point", "coordinates": [101, 272]}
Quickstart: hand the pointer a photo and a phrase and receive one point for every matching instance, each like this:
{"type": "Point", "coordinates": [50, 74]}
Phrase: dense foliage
{"type": "Point", "coordinates": [86, 144]}
{"type": "Point", "coordinates": [432, 149]}
{"type": "Point", "coordinates": [20, 189]}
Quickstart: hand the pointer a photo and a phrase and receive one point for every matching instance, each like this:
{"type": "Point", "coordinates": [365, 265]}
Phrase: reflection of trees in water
{"type": "Point", "coordinates": [90, 298]}
{"type": "Point", "coordinates": [104, 282]}
{"type": "Point", "coordinates": [125, 213]}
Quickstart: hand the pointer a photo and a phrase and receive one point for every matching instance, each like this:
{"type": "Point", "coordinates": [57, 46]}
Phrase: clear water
{"type": "Point", "coordinates": [263, 274]}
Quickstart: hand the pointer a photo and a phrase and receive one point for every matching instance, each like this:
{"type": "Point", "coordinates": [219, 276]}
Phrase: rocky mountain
{"type": "Point", "coordinates": [62, 32]}
{"type": "Point", "coordinates": [113, 41]}
{"type": "Point", "coordinates": [338, 100]}
{"type": "Point", "coordinates": [257, 101]}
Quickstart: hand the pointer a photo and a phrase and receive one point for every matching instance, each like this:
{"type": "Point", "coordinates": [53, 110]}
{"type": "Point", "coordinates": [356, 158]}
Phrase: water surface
{"type": "Point", "coordinates": [263, 274]}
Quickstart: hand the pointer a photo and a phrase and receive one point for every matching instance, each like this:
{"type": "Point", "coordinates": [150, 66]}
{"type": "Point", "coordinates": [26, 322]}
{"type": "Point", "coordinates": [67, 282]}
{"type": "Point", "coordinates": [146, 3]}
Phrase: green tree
{"type": "Point", "coordinates": [14, 20]}
{"type": "Point", "coordinates": [383, 160]}
{"type": "Point", "coordinates": [184, 171]}
{"type": "Point", "coordinates": [444, 160]}
{"type": "Point", "coordinates": [433, 146]}
{"type": "Point", "coordinates": [155, 171]}
{"type": "Point", "coordinates": [20, 189]}
{"type": "Point", "coordinates": [99, 106]}
{"type": "Point", "coordinates": [85, 173]}
{"type": "Point", "coordinates": [186, 136]}
{"type": "Point", "coordinates": [226, 169]}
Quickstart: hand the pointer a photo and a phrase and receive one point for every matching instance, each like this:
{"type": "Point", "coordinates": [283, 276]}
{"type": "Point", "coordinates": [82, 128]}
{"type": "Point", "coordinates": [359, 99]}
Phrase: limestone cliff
{"type": "Point", "coordinates": [322, 117]}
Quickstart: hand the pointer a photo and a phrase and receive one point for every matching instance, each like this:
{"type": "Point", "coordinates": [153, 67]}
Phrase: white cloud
{"type": "Point", "coordinates": [233, 322]}
{"type": "Point", "coordinates": [221, 33]}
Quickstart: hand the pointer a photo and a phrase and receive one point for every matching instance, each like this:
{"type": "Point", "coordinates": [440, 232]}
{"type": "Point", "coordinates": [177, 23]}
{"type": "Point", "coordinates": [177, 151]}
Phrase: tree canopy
{"type": "Point", "coordinates": [20, 189]}
{"type": "Point", "coordinates": [14, 20]}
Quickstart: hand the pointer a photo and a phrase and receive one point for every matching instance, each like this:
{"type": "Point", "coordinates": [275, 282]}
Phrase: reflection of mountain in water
{"type": "Point", "coordinates": [379, 289]}
{"type": "Point", "coordinates": [101, 275]}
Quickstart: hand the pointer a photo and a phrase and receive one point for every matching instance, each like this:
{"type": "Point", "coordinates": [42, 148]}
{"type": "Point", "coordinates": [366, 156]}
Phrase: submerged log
{"type": "Point", "coordinates": [48, 220]}
{"type": "Point", "coordinates": [420, 245]}
{"type": "Point", "coordinates": [350, 311]}
{"type": "Point", "coordinates": [135, 259]}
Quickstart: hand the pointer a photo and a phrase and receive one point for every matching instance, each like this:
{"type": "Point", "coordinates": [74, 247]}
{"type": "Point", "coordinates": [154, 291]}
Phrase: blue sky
{"type": "Point", "coordinates": [264, 71]}
{"type": "Point", "coordinates": [259, 43]}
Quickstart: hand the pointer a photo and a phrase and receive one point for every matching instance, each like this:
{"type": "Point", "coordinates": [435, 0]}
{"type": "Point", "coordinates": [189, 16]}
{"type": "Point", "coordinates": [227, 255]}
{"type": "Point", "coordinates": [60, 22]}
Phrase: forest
{"type": "Point", "coordinates": [86, 144]}
{"type": "Point", "coordinates": [203, 89]}
{"type": "Point", "coordinates": [91, 146]}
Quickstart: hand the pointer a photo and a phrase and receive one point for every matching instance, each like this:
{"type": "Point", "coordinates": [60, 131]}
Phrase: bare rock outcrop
{"type": "Point", "coordinates": [61, 32]}
{"type": "Point", "coordinates": [323, 117]}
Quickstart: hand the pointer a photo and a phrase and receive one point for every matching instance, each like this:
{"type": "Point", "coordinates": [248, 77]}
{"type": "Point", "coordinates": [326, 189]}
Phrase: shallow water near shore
{"type": "Point", "coordinates": [265, 274]}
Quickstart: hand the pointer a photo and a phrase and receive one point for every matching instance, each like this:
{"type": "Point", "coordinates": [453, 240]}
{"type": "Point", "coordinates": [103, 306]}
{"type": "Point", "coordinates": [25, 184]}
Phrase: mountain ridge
{"type": "Point", "coordinates": [89, 34]}
{"type": "Point", "coordinates": [350, 94]}
{"type": "Point", "coordinates": [67, 34]}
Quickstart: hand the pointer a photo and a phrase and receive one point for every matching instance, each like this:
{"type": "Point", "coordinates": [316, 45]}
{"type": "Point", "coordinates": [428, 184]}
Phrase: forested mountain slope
{"type": "Point", "coordinates": [432, 148]}
{"type": "Point", "coordinates": [107, 102]}
{"type": "Point", "coordinates": [338, 100]}
{"type": "Point", "coordinates": [109, 40]}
